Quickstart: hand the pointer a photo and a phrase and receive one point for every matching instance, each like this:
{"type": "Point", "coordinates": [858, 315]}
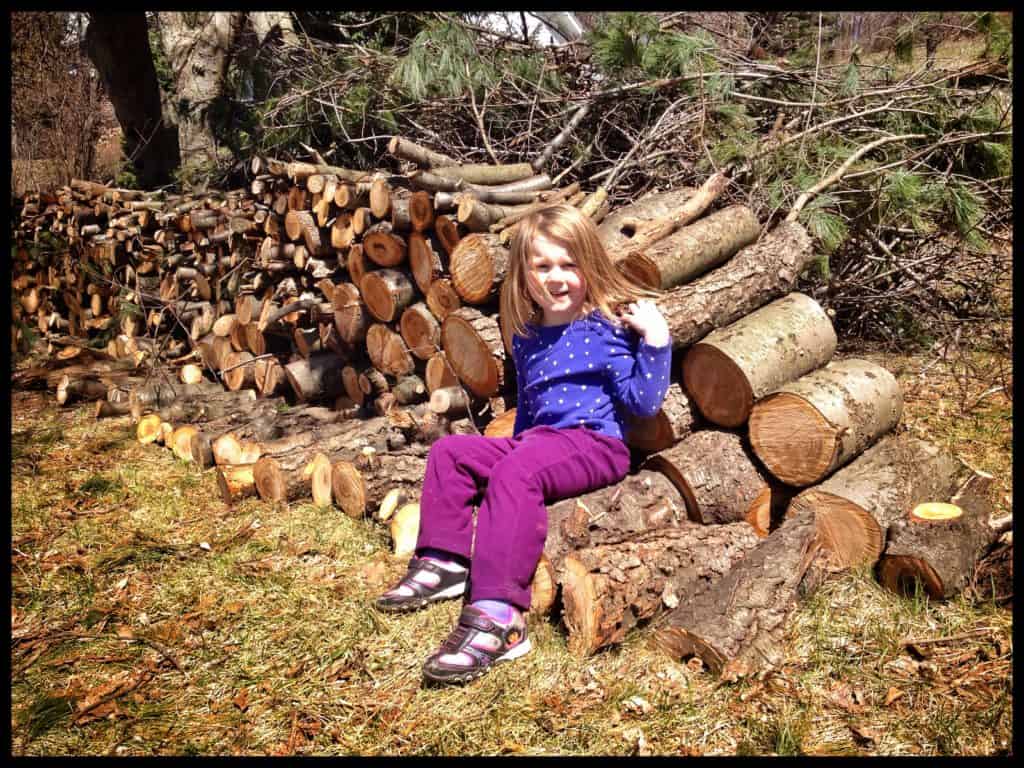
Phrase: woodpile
{"type": "Point", "coordinates": [310, 336]}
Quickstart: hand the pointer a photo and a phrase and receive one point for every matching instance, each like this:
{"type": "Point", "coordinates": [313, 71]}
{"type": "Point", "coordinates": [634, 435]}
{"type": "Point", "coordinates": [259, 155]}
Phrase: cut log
{"type": "Point", "coordinates": [80, 388]}
{"type": "Point", "coordinates": [447, 231]}
{"type": "Point", "coordinates": [501, 426]}
{"type": "Point", "coordinates": [239, 370]}
{"type": "Point", "coordinates": [473, 345]}
{"type": "Point", "coordinates": [350, 380]}
{"type": "Point", "coordinates": [442, 298]}
{"type": "Point", "coordinates": [351, 317]}
{"type": "Point", "coordinates": [808, 428]}
{"type": "Point", "coordinates": [423, 157]}
{"type": "Point", "coordinates": [452, 402]}
{"type": "Point", "coordinates": [420, 331]}
{"type": "Point", "coordinates": [692, 250]}
{"type": "Point", "coordinates": [158, 393]}
{"type": "Point", "coordinates": [736, 624]}
{"type": "Point", "coordinates": [439, 373]}
{"type": "Point", "coordinates": [200, 409]}
{"type": "Point", "coordinates": [317, 377]}
{"type": "Point", "coordinates": [478, 266]}
{"type": "Point", "coordinates": [733, 367]}
{"type": "Point", "coordinates": [856, 505]}
{"type": "Point", "coordinates": [656, 230]}
{"type": "Point", "coordinates": [383, 246]}
{"type": "Point", "coordinates": [235, 482]}
{"type": "Point", "coordinates": [401, 220]}
{"type": "Point", "coordinates": [753, 277]}
{"type": "Point", "coordinates": [425, 261]}
{"type": "Point", "coordinates": [357, 263]}
{"type": "Point", "coordinates": [270, 377]}
{"type": "Point", "coordinates": [608, 589]}
{"type": "Point", "coordinates": [388, 352]}
{"type": "Point", "coordinates": [362, 483]}
{"type": "Point", "coordinates": [940, 552]}
{"type": "Point", "coordinates": [676, 419]}
{"type": "Point", "coordinates": [717, 475]}
{"type": "Point", "coordinates": [421, 211]}
{"type": "Point", "coordinates": [485, 174]}
{"type": "Point", "coordinates": [409, 390]}
{"type": "Point", "coordinates": [106, 409]}
{"type": "Point", "coordinates": [387, 292]}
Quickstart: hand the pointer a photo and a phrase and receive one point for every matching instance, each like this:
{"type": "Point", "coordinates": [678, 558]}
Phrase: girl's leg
{"type": "Point", "coordinates": [545, 466]}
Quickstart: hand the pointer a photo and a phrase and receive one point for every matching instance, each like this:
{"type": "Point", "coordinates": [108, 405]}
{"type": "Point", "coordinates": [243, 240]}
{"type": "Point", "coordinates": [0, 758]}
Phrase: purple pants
{"type": "Point", "coordinates": [511, 478]}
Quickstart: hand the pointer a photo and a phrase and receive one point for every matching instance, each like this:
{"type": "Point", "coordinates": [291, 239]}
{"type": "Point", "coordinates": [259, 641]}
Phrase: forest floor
{"type": "Point", "coordinates": [148, 617]}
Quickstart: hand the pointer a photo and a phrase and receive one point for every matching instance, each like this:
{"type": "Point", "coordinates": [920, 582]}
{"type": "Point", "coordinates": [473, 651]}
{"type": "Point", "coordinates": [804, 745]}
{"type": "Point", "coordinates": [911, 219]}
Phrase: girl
{"type": "Point", "coordinates": [575, 361]}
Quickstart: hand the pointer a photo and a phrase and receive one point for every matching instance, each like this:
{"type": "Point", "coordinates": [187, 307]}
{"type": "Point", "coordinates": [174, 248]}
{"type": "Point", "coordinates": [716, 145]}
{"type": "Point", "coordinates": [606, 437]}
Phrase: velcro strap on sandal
{"type": "Point", "coordinates": [477, 619]}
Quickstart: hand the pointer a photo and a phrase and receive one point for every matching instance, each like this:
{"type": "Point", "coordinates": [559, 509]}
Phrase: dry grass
{"type": "Point", "coordinates": [150, 618]}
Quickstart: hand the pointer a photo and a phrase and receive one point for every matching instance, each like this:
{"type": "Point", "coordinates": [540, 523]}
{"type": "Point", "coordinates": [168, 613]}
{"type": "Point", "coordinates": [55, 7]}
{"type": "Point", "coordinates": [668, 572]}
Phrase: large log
{"type": "Point", "coordinates": [734, 366]}
{"type": "Point", "coordinates": [473, 345]}
{"type": "Point", "coordinates": [478, 267]}
{"type": "Point", "coordinates": [387, 351]}
{"type": "Point", "coordinates": [384, 246]}
{"type": "Point", "coordinates": [719, 478]}
{"type": "Point", "coordinates": [753, 277]}
{"type": "Point", "coordinates": [736, 624]}
{"type": "Point", "coordinates": [608, 589]}
{"type": "Point", "coordinates": [856, 505]}
{"type": "Point", "coordinates": [317, 377]}
{"type": "Point", "coordinates": [940, 551]}
{"type": "Point", "coordinates": [808, 428]}
{"type": "Point", "coordinates": [692, 250]}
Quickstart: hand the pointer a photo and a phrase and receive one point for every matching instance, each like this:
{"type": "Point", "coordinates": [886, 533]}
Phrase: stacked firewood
{"type": "Point", "coordinates": [352, 319]}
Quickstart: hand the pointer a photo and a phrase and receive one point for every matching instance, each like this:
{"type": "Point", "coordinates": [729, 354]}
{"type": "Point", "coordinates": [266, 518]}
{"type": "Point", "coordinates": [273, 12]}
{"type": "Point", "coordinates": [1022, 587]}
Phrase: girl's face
{"type": "Point", "coordinates": [554, 268]}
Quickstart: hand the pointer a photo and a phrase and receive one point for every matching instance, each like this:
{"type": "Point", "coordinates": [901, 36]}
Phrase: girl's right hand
{"type": "Point", "coordinates": [644, 317]}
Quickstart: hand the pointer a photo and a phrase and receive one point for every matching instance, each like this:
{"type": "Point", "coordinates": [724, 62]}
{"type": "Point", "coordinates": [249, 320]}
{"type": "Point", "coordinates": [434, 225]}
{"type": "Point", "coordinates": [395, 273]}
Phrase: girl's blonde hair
{"type": "Point", "coordinates": [567, 226]}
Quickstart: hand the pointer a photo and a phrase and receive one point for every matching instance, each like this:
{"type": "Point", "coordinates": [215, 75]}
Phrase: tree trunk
{"type": "Point", "coordinates": [609, 588]}
{"type": "Point", "coordinates": [717, 475]}
{"type": "Point", "coordinates": [856, 505]}
{"type": "Point", "coordinates": [736, 624]}
{"type": "Point", "coordinates": [808, 428]}
{"type": "Point", "coordinates": [940, 554]}
{"type": "Point", "coordinates": [753, 277]}
{"type": "Point", "coordinates": [474, 348]}
{"type": "Point", "coordinates": [734, 366]}
{"type": "Point", "coordinates": [692, 250]}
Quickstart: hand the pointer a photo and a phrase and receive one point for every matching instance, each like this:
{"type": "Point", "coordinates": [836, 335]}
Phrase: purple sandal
{"type": "Point", "coordinates": [450, 584]}
{"type": "Point", "coordinates": [482, 642]}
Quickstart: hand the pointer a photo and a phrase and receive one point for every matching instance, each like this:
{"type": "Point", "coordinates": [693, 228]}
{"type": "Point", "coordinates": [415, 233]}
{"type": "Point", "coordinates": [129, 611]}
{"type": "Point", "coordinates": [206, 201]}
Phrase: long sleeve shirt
{"type": "Point", "coordinates": [585, 374]}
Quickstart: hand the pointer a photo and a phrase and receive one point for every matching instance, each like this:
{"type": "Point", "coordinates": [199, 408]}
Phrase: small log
{"type": "Point", "coordinates": [350, 381]}
{"type": "Point", "coordinates": [473, 345]}
{"type": "Point", "coordinates": [401, 219]}
{"type": "Point", "coordinates": [447, 231]}
{"type": "Point", "coordinates": [425, 261]}
{"type": "Point", "coordinates": [439, 373]}
{"type": "Point", "coordinates": [384, 246]}
{"type": "Point", "coordinates": [485, 174]}
{"type": "Point", "coordinates": [236, 482]}
{"type": "Point", "coordinates": [357, 263]}
{"type": "Point", "coordinates": [317, 377]}
{"type": "Point", "coordinates": [442, 298]}
{"type": "Point", "coordinates": [387, 292]}
{"type": "Point", "coordinates": [270, 377]}
{"type": "Point", "coordinates": [387, 351]}
{"type": "Point", "coordinates": [421, 211]}
{"type": "Point", "coordinates": [409, 390]}
{"type": "Point", "coordinates": [940, 552]}
{"type": "Point", "coordinates": [478, 267]}
{"type": "Point", "coordinates": [361, 484]}
{"type": "Point", "coordinates": [856, 505]}
{"type": "Point", "coordinates": [106, 409]}
{"type": "Point", "coordinates": [692, 250]}
{"type": "Point", "coordinates": [609, 589]}
{"type": "Point", "coordinates": [79, 388]}
{"type": "Point", "coordinates": [736, 625]}
{"type": "Point", "coordinates": [423, 157]}
{"type": "Point", "coordinates": [351, 316]}
{"type": "Point", "coordinates": [380, 199]}
{"type": "Point", "coordinates": [808, 428]}
{"type": "Point", "coordinates": [420, 331]}
{"type": "Point", "coordinates": [350, 196]}
{"type": "Point", "coordinates": [733, 367]}
{"type": "Point", "coordinates": [452, 402]}
{"type": "Point", "coordinates": [717, 475]}
{"type": "Point", "coordinates": [501, 426]}
{"type": "Point", "coordinates": [239, 371]}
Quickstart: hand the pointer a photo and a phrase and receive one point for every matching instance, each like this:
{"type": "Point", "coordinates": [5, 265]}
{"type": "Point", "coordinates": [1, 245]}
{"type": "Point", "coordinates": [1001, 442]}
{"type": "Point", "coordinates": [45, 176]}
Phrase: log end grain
{"type": "Point", "coordinates": [718, 387]}
{"type": "Point", "coordinates": [320, 476]}
{"type": "Point", "coordinates": [903, 574]}
{"type": "Point", "coordinates": [543, 588]}
{"type": "Point", "coordinates": [348, 488]}
{"type": "Point", "coordinates": [851, 535]}
{"type": "Point", "coordinates": [794, 441]}
{"type": "Point", "coordinates": [581, 607]}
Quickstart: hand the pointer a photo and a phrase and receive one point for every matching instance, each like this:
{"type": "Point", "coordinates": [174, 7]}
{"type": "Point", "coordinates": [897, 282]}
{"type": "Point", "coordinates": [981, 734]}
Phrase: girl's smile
{"type": "Point", "coordinates": [553, 270]}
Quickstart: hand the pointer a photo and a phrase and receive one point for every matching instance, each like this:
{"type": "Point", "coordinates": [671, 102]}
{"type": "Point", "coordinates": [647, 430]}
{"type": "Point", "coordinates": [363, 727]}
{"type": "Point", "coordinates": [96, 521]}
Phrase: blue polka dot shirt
{"type": "Point", "coordinates": [585, 373]}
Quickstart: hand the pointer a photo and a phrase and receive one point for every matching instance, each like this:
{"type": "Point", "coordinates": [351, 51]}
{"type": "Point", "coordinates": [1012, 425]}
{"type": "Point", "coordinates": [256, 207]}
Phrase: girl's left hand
{"type": "Point", "coordinates": [644, 318]}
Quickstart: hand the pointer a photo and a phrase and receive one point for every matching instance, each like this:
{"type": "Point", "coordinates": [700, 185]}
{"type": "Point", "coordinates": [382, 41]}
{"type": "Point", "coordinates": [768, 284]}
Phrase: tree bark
{"type": "Point", "coordinates": [734, 366]}
{"type": "Point", "coordinates": [608, 589]}
{"type": "Point", "coordinates": [808, 428]}
{"type": "Point", "coordinates": [753, 277]}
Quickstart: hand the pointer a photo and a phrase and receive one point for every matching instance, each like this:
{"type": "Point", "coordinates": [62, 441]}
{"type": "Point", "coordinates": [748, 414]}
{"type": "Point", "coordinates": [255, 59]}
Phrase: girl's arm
{"type": "Point", "coordinates": [640, 372]}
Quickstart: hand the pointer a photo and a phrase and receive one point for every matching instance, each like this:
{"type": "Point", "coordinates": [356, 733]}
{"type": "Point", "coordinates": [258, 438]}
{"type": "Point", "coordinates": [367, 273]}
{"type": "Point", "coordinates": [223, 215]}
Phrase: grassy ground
{"type": "Point", "coordinates": [150, 618]}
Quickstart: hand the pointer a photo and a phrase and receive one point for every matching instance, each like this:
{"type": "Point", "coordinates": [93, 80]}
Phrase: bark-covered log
{"type": "Point", "coordinates": [692, 250]}
{"type": "Point", "coordinates": [734, 366]}
{"type": "Point", "coordinates": [736, 624]}
{"type": "Point", "coordinates": [940, 552]}
{"type": "Point", "coordinates": [473, 345]}
{"type": "Point", "coordinates": [856, 505]}
{"type": "Point", "coordinates": [485, 174]}
{"type": "Point", "coordinates": [383, 246]}
{"type": "Point", "coordinates": [317, 377]}
{"type": "Point", "coordinates": [608, 589]}
{"type": "Point", "coordinates": [387, 292]}
{"type": "Point", "coordinates": [360, 484]}
{"type": "Point", "coordinates": [753, 277]}
{"type": "Point", "coordinates": [676, 419]}
{"type": "Point", "coordinates": [807, 428]}
{"type": "Point", "coordinates": [719, 478]}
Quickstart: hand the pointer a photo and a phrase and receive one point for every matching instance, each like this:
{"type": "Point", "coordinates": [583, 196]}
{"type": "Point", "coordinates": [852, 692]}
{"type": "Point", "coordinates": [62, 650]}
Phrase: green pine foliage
{"type": "Point", "coordinates": [442, 61]}
{"type": "Point", "coordinates": [826, 227]}
{"type": "Point", "coordinates": [967, 209]}
{"type": "Point", "coordinates": [631, 43]}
